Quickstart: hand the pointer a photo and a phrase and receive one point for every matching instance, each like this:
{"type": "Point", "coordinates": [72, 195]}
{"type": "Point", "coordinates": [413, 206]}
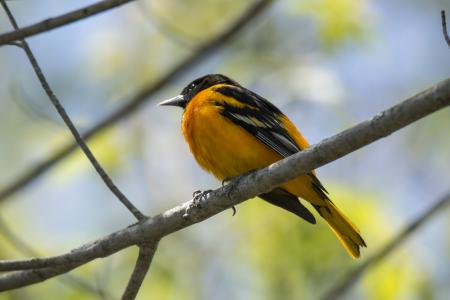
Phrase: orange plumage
{"type": "Point", "coordinates": [230, 131]}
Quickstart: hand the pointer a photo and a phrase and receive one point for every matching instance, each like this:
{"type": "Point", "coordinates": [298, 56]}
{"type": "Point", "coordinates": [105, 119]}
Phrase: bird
{"type": "Point", "coordinates": [231, 131]}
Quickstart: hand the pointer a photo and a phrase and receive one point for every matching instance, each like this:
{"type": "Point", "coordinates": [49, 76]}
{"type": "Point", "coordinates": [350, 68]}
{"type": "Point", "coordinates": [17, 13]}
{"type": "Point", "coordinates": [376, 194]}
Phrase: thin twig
{"type": "Point", "coordinates": [9, 280]}
{"type": "Point", "coordinates": [237, 191]}
{"type": "Point", "coordinates": [146, 253]}
{"type": "Point", "coordinates": [59, 21]}
{"type": "Point", "coordinates": [141, 96]}
{"type": "Point", "coordinates": [444, 27]}
{"type": "Point", "coordinates": [351, 278]}
{"type": "Point", "coordinates": [62, 112]}
{"type": "Point", "coordinates": [23, 247]}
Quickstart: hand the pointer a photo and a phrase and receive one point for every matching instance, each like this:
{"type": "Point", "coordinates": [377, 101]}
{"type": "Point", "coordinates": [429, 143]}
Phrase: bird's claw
{"type": "Point", "coordinates": [234, 210]}
{"type": "Point", "coordinates": [199, 196]}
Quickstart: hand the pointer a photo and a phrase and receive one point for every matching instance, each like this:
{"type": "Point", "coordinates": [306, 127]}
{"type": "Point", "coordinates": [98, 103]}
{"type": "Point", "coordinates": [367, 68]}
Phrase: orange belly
{"type": "Point", "coordinates": [227, 150]}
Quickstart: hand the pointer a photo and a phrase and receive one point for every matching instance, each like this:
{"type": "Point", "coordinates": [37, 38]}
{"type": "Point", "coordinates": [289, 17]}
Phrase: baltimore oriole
{"type": "Point", "coordinates": [232, 130]}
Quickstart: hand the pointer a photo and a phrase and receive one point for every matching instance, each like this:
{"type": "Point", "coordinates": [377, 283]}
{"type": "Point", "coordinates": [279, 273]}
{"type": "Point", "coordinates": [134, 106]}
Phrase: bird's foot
{"type": "Point", "coordinates": [234, 180]}
{"type": "Point", "coordinates": [199, 196]}
{"type": "Point", "coordinates": [231, 182]}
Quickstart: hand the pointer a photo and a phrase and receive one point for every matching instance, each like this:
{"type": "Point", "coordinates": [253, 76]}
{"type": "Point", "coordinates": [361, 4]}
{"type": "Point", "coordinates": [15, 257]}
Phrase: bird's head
{"type": "Point", "coordinates": [195, 87]}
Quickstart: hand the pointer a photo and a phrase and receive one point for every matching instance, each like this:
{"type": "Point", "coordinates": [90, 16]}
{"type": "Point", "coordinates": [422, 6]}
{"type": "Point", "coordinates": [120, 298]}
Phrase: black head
{"type": "Point", "coordinates": [195, 87]}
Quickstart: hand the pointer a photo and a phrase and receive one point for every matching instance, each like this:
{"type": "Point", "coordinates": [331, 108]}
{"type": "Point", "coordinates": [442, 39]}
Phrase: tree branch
{"type": "Point", "coordinates": [146, 253]}
{"type": "Point", "coordinates": [59, 21]}
{"type": "Point", "coordinates": [10, 280]}
{"type": "Point", "coordinates": [350, 279]}
{"type": "Point", "coordinates": [24, 248]}
{"type": "Point", "coordinates": [444, 27]}
{"type": "Point", "coordinates": [62, 112]}
{"type": "Point", "coordinates": [141, 96]}
{"type": "Point", "coordinates": [237, 191]}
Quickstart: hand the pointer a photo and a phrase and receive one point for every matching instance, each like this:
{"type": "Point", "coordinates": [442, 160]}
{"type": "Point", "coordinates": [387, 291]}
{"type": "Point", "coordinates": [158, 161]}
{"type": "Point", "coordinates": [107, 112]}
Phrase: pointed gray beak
{"type": "Point", "coordinates": [175, 101]}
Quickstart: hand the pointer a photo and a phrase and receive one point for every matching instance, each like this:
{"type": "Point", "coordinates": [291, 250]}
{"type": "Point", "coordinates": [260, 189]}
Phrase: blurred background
{"type": "Point", "coordinates": [327, 64]}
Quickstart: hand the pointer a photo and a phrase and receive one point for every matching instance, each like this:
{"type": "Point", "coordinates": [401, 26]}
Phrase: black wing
{"type": "Point", "coordinates": [260, 118]}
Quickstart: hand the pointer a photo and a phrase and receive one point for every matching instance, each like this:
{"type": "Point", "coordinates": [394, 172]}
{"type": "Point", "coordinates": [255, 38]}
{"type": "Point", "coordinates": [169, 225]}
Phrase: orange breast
{"type": "Point", "coordinates": [220, 146]}
{"type": "Point", "coordinates": [226, 150]}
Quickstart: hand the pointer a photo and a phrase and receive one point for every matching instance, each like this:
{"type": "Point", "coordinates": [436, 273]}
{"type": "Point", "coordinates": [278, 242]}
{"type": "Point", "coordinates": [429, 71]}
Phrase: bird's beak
{"type": "Point", "coordinates": [175, 101]}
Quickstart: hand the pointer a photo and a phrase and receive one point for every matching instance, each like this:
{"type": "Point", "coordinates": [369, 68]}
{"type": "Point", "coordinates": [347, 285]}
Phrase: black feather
{"type": "Point", "coordinates": [289, 202]}
{"type": "Point", "coordinates": [260, 118]}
